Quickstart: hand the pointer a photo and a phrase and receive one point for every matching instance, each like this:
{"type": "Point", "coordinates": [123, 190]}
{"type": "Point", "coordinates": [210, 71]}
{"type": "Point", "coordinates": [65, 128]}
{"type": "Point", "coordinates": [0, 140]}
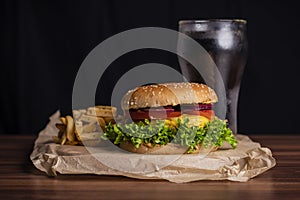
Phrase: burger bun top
{"type": "Point", "coordinates": [168, 94]}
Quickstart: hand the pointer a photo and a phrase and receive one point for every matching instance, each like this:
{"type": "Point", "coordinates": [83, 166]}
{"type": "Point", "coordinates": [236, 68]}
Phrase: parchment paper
{"type": "Point", "coordinates": [248, 160]}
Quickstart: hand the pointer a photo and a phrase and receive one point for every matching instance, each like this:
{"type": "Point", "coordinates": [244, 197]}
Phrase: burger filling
{"type": "Point", "coordinates": [172, 111]}
{"type": "Point", "coordinates": [188, 125]}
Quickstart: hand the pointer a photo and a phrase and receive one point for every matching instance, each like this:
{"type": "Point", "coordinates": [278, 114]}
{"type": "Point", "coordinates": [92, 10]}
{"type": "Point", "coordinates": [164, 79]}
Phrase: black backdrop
{"type": "Point", "coordinates": [44, 42]}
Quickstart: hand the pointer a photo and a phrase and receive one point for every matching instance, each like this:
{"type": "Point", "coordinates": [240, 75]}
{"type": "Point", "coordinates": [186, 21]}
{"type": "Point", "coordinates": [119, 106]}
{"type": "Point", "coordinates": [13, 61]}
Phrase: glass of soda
{"type": "Point", "coordinates": [226, 43]}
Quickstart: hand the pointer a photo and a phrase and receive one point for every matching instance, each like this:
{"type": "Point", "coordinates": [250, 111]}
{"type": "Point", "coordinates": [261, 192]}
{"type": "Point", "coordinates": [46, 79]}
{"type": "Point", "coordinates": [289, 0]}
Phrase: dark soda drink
{"type": "Point", "coordinates": [226, 43]}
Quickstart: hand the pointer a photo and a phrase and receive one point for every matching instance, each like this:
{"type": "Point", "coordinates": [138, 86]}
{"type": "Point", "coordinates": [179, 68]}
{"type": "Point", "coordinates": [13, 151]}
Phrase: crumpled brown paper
{"type": "Point", "coordinates": [248, 160]}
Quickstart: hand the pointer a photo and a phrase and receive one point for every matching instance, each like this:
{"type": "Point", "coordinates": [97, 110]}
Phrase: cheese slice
{"type": "Point", "coordinates": [194, 120]}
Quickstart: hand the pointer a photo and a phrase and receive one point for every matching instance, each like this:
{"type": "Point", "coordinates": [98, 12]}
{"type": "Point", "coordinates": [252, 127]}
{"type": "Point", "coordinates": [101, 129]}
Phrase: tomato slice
{"type": "Point", "coordinates": [168, 112]}
{"type": "Point", "coordinates": [139, 115]}
{"type": "Point", "coordinates": [174, 114]}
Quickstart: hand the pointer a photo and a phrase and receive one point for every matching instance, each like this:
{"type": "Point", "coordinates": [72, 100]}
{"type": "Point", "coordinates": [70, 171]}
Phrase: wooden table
{"type": "Point", "coordinates": [20, 180]}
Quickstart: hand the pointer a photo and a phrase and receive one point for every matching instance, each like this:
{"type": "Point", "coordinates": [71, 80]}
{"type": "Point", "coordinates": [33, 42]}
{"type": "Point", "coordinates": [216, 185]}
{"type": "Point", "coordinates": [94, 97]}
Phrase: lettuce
{"type": "Point", "coordinates": [215, 132]}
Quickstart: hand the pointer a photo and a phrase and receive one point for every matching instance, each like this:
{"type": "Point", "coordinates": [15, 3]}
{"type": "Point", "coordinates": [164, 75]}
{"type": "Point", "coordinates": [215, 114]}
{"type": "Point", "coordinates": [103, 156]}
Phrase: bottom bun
{"type": "Point", "coordinates": [168, 149]}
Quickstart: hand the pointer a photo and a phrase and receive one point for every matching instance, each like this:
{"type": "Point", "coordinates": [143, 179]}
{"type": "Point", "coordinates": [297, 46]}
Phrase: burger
{"type": "Point", "coordinates": [170, 118]}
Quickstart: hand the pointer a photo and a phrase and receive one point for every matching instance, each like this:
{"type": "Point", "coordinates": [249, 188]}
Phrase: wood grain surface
{"type": "Point", "coordinates": [20, 180]}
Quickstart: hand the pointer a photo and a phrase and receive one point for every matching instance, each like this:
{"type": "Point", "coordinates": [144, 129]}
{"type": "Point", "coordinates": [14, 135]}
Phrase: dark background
{"type": "Point", "coordinates": [44, 42]}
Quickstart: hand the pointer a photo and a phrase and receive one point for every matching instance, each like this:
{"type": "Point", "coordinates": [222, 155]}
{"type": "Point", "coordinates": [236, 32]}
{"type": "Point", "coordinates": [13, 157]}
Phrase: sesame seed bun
{"type": "Point", "coordinates": [168, 94]}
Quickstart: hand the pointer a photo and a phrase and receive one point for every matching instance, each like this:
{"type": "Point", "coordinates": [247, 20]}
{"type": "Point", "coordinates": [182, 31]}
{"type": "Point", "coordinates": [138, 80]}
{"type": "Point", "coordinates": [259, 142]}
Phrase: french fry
{"type": "Point", "coordinates": [78, 130]}
{"type": "Point", "coordinates": [111, 108]}
{"type": "Point", "coordinates": [61, 127]}
{"type": "Point", "coordinates": [108, 119]}
{"type": "Point", "coordinates": [63, 120]}
{"type": "Point", "coordinates": [88, 118]}
{"type": "Point", "coordinates": [70, 128]}
{"type": "Point", "coordinates": [63, 139]}
{"type": "Point", "coordinates": [77, 135]}
{"type": "Point", "coordinates": [102, 111]}
{"type": "Point", "coordinates": [60, 133]}
{"type": "Point", "coordinates": [84, 125]}
{"type": "Point", "coordinates": [101, 122]}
